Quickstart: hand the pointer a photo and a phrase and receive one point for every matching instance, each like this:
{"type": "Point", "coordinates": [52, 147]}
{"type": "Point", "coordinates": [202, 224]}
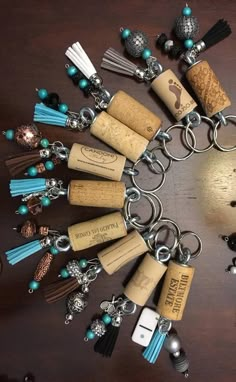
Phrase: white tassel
{"type": "Point", "coordinates": [80, 59]}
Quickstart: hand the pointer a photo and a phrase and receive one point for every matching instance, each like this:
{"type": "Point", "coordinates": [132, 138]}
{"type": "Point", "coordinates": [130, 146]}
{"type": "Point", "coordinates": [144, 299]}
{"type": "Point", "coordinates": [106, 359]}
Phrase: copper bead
{"type": "Point", "coordinates": [28, 136]}
{"type": "Point", "coordinates": [28, 229]}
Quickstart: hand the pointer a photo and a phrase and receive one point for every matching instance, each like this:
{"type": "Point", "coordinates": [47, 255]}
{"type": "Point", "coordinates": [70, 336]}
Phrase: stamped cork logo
{"type": "Point", "coordinates": [98, 156]}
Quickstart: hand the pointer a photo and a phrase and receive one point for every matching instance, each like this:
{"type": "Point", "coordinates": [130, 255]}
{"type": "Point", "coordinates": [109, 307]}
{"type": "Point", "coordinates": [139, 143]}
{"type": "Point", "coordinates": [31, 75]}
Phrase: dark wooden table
{"type": "Point", "coordinates": [197, 194]}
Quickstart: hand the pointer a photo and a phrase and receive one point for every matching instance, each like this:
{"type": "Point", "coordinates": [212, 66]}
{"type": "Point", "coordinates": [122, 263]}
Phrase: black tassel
{"type": "Point", "coordinates": [106, 344]}
{"type": "Point", "coordinates": [217, 33]}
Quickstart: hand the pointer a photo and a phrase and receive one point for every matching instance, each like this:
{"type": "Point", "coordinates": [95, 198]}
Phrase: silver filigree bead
{"type": "Point", "coordinates": [98, 327]}
{"type": "Point", "coordinates": [186, 27]}
{"type": "Point", "coordinates": [135, 43]}
{"type": "Point", "coordinates": [76, 302]}
{"type": "Point", "coordinates": [73, 268]}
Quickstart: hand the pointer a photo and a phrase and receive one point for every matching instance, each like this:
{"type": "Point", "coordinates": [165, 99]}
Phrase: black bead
{"type": "Point", "coordinates": [161, 40]}
{"type": "Point", "coordinates": [52, 101]}
{"type": "Point", "coordinates": [232, 242]}
{"type": "Point", "coordinates": [176, 52]}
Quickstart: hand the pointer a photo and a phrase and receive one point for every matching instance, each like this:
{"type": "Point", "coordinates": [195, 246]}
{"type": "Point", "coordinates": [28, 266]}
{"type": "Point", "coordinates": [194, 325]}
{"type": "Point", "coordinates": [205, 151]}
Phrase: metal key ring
{"type": "Point", "coordinates": [154, 217]}
{"type": "Point", "coordinates": [176, 227]}
{"type": "Point", "coordinates": [164, 251]}
{"type": "Point", "coordinates": [151, 165]}
{"type": "Point", "coordinates": [198, 251]}
{"type": "Point", "coordinates": [215, 135]}
{"type": "Point", "coordinates": [157, 187]}
{"type": "Point", "coordinates": [187, 155]}
{"type": "Point", "coordinates": [163, 228]}
{"type": "Point", "coordinates": [62, 243]}
{"type": "Point", "coordinates": [187, 130]}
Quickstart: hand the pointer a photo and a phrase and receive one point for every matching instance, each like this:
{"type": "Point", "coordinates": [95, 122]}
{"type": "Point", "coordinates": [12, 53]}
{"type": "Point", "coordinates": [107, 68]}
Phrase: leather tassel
{"type": "Point", "coordinates": [106, 344]}
{"type": "Point", "coordinates": [60, 289]}
{"type": "Point", "coordinates": [20, 162]}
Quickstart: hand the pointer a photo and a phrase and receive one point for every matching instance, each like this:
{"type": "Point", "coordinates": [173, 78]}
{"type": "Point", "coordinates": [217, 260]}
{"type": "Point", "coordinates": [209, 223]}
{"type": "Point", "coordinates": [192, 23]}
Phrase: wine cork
{"type": "Point", "coordinates": [122, 252]}
{"type": "Point", "coordinates": [207, 88]}
{"type": "Point", "coordinates": [134, 115]}
{"type": "Point", "coordinates": [87, 234]}
{"type": "Point", "coordinates": [97, 162]}
{"type": "Point", "coordinates": [92, 193]}
{"type": "Point", "coordinates": [119, 136]}
{"type": "Point", "coordinates": [173, 94]}
{"type": "Point", "coordinates": [175, 291]}
{"type": "Point", "coordinates": [145, 279]}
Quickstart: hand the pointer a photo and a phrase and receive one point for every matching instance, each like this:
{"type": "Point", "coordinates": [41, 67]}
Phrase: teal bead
{"type": "Point", "coordinates": [188, 43]}
{"type": "Point", "coordinates": [83, 83]}
{"type": "Point", "coordinates": [23, 210]}
{"type": "Point", "coordinates": [44, 143]}
{"type": "Point", "coordinates": [146, 53]}
{"type": "Point", "coordinates": [32, 171]}
{"type": "Point", "coordinates": [90, 334]}
{"type": "Point", "coordinates": [125, 33]}
{"type": "Point", "coordinates": [71, 71]}
{"type": "Point", "coordinates": [106, 319]}
{"type": "Point", "coordinates": [34, 285]}
{"type": "Point", "coordinates": [83, 263]}
{"type": "Point", "coordinates": [49, 165]}
{"type": "Point", "coordinates": [64, 273]}
{"type": "Point", "coordinates": [45, 201]}
{"type": "Point", "coordinates": [186, 11]}
{"type": "Point", "coordinates": [42, 93]}
{"type": "Point", "coordinates": [9, 134]}
{"type": "Point", "coordinates": [63, 108]}
{"type": "Point", "coordinates": [54, 250]}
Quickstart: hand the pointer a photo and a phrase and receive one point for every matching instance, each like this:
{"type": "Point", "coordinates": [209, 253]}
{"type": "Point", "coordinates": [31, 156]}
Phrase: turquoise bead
{"type": "Point", "coordinates": [23, 210]}
{"type": "Point", "coordinates": [83, 83]}
{"type": "Point", "coordinates": [49, 165]}
{"type": "Point", "coordinates": [32, 171]}
{"type": "Point", "coordinates": [63, 108]}
{"type": "Point", "coordinates": [42, 93]}
{"type": "Point", "coordinates": [71, 71]}
{"type": "Point", "coordinates": [146, 53]}
{"type": "Point", "coordinates": [44, 143]}
{"type": "Point", "coordinates": [54, 250]}
{"type": "Point", "coordinates": [34, 285]}
{"type": "Point", "coordinates": [45, 201]}
{"type": "Point", "coordinates": [83, 263]}
{"type": "Point", "coordinates": [106, 319]}
{"type": "Point", "coordinates": [187, 11]}
{"type": "Point", "coordinates": [90, 334]}
{"type": "Point", "coordinates": [9, 134]}
{"type": "Point", "coordinates": [188, 43]}
{"type": "Point", "coordinates": [64, 273]}
{"type": "Point", "coordinates": [125, 33]}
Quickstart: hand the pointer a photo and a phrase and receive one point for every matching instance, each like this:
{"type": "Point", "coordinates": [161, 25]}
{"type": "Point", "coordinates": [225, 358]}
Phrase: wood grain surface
{"type": "Point", "coordinates": [197, 195]}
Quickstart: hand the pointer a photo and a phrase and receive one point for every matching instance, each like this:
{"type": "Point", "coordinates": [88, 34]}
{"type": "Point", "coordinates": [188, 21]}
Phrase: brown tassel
{"type": "Point", "coordinates": [60, 289]}
{"type": "Point", "coordinates": [43, 266]}
{"type": "Point", "coordinates": [21, 161]}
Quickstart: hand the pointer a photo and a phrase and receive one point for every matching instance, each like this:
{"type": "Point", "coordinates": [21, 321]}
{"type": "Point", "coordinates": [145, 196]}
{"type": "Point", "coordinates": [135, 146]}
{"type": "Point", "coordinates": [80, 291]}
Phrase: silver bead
{"type": "Point", "coordinates": [73, 268]}
{"type": "Point", "coordinates": [181, 363]}
{"type": "Point", "coordinates": [172, 343]}
{"type": "Point", "coordinates": [168, 45]}
{"type": "Point", "coordinates": [116, 321]}
{"type": "Point", "coordinates": [186, 27]}
{"type": "Point", "coordinates": [98, 327]}
{"type": "Point", "coordinates": [96, 80]}
{"type": "Point", "coordinates": [135, 43]}
{"type": "Point", "coordinates": [85, 288]}
{"type": "Point", "coordinates": [176, 354]}
{"type": "Point", "coordinates": [76, 302]}
{"type": "Point", "coordinates": [232, 270]}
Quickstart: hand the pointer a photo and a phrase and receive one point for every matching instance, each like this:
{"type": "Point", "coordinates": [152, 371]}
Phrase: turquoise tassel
{"type": "Point", "coordinates": [20, 253]}
{"type": "Point", "coordinates": [152, 352]}
{"type": "Point", "coordinates": [27, 186]}
{"type": "Point", "coordinates": [44, 114]}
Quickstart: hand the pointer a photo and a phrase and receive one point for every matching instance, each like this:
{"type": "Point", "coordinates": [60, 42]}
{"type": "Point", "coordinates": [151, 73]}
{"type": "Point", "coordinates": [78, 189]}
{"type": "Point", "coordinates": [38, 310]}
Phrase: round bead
{"type": "Point", "coordinates": [146, 53]}
{"type": "Point", "coordinates": [32, 171]}
{"type": "Point", "coordinates": [83, 263]}
{"type": "Point", "coordinates": [232, 270]}
{"type": "Point", "coordinates": [83, 83]}
{"type": "Point", "coordinates": [54, 250]}
{"type": "Point", "coordinates": [45, 201]}
{"type": "Point", "coordinates": [187, 11]}
{"type": "Point", "coordinates": [135, 43]}
{"type": "Point", "coordinates": [23, 210]}
{"type": "Point", "coordinates": [49, 165]}
{"type": "Point", "coordinates": [63, 108]}
{"type": "Point", "coordinates": [34, 285]}
{"type": "Point", "coordinates": [9, 134]}
{"type": "Point", "coordinates": [188, 43]}
{"type": "Point", "coordinates": [71, 71]}
{"type": "Point", "coordinates": [125, 33]}
{"type": "Point", "coordinates": [106, 319]}
{"type": "Point", "coordinates": [172, 343]}
{"type": "Point", "coordinates": [64, 273]}
{"type": "Point", "coordinates": [42, 93]}
{"type": "Point", "coordinates": [90, 334]}
{"type": "Point", "coordinates": [44, 143]}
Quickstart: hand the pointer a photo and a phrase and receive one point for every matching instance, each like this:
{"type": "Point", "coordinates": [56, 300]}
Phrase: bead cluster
{"type": "Point", "coordinates": [79, 80]}
{"type": "Point", "coordinates": [52, 100]}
